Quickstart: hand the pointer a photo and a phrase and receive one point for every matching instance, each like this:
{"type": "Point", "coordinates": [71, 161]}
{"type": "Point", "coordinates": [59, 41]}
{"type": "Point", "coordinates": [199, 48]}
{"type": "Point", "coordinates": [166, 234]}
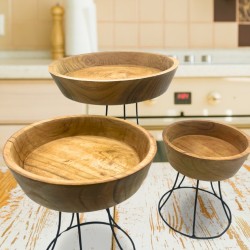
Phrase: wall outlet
{"type": "Point", "coordinates": [2, 31]}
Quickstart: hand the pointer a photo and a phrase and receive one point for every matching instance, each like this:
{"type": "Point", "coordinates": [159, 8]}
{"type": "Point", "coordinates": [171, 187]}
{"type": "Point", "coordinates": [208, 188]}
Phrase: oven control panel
{"type": "Point", "coordinates": [197, 96]}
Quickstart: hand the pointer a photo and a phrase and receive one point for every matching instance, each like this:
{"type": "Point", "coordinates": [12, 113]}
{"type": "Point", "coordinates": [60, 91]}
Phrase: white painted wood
{"type": "Point", "coordinates": [140, 216]}
{"type": "Point", "coordinates": [25, 225]}
{"type": "Point", "coordinates": [33, 100]}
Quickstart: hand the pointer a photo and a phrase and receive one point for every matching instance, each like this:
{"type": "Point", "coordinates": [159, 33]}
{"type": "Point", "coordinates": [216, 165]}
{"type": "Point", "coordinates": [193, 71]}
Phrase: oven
{"type": "Point", "coordinates": [208, 84]}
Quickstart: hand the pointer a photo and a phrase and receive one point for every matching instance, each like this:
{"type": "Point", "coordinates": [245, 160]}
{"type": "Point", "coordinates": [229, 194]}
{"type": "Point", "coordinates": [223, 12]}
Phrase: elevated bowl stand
{"type": "Point", "coordinates": [204, 151]}
{"type": "Point", "coordinates": [111, 222]}
{"type": "Point", "coordinates": [165, 199]}
{"type": "Point", "coordinates": [135, 77]}
{"type": "Point", "coordinates": [127, 91]}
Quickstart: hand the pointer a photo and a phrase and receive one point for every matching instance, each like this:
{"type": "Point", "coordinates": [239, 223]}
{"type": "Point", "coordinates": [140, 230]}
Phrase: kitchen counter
{"type": "Point", "coordinates": [26, 225]}
{"type": "Point", "coordinates": [25, 66]}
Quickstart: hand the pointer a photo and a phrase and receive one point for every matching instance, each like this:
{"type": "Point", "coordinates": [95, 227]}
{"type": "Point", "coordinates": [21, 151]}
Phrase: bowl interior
{"type": "Point", "coordinates": [85, 149]}
{"type": "Point", "coordinates": [108, 66]}
{"type": "Point", "coordinates": [205, 139]}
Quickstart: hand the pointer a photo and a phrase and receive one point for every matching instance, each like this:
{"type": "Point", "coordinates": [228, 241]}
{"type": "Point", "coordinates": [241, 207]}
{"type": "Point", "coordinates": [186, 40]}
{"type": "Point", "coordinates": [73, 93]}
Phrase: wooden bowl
{"type": "Point", "coordinates": [205, 150]}
{"type": "Point", "coordinates": [112, 78]}
{"type": "Point", "coordinates": [80, 163]}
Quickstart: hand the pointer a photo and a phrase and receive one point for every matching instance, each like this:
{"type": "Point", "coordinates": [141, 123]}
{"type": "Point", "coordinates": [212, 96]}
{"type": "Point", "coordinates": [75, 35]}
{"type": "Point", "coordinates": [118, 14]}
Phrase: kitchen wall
{"type": "Point", "coordinates": [136, 24]}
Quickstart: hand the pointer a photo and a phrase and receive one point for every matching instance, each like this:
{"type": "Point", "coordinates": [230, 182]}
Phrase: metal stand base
{"type": "Point", "coordinates": [111, 223]}
{"type": "Point", "coordinates": [164, 199]}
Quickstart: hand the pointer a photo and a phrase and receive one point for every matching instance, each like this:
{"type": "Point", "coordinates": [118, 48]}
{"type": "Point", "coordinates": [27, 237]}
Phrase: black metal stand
{"type": "Point", "coordinates": [165, 198]}
{"type": "Point", "coordinates": [112, 224]}
{"type": "Point", "coordinates": [124, 112]}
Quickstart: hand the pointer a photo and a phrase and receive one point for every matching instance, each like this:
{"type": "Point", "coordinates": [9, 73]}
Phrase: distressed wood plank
{"type": "Point", "coordinates": [25, 225]}
{"type": "Point", "coordinates": [140, 215]}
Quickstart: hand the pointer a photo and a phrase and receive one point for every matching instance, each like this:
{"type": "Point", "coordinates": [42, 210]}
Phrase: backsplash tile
{"type": "Point", "coordinates": [126, 35]}
{"type": "Point", "coordinates": [19, 13]}
{"type": "Point", "coordinates": [225, 35]}
{"type": "Point", "coordinates": [201, 11]}
{"type": "Point", "coordinates": [151, 35]}
{"type": "Point", "coordinates": [136, 24]}
{"type": "Point", "coordinates": [225, 10]}
{"type": "Point", "coordinates": [126, 11]}
{"type": "Point", "coordinates": [105, 10]}
{"type": "Point", "coordinates": [5, 41]}
{"type": "Point", "coordinates": [44, 8]}
{"type": "Point", "coordinates": [244, 35]}
{"type": "Point", "coordinates": [201, 35]}
{"type": "Point", "coordinates": [22, 37]}
{"type": "Point", "coordinates": [105, 34]}
{"type": "Point", "coordinates": [180, 37]}
{"type": "Point", "coordinates": [244, 11]}
{"type": "Point", "coordinates": [174, 13]}
{"type": "Point", "coordinates": [151, 11]}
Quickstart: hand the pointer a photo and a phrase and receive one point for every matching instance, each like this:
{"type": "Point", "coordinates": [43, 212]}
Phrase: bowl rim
{"type": "Point", "coordinates": [55, 73]}
{"type": "Point", "coordinates": [216, 158]}
{"type": "Point", "coordinates": [12, 165]}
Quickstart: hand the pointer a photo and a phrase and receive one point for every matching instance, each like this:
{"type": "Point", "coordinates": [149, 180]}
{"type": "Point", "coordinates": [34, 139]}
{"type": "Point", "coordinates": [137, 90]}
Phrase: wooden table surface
{"type": "Point", "coordinates": [24, 225]}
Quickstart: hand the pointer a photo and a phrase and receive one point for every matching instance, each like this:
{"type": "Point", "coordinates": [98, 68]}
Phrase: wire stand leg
{"type": "Point", "coordinates": [106, 111]}
{"type": "Point", "coordinates": [164, 199]}
{"type": "Point", "coordinates": [124, 111]}
{"type": "Point", "coordinates": [71, 222]}
{"type": "Point", "coordinates": [160, 206]}
{"type": "Point", "coordinates": [53, 243]}
{"type": "Point", "coordinates": [112, 228]}
{"type": "Point", "coordinates": [195, 205]}
{"type": "Point", "coordinates": [79, 230]}
{"type": "Point", "coordinates": [136, 113]}
{"type": "Point", "coordinates": [224, 205]}
{"type": "Point", "coordinates": [213, 188]}
{"type": "Point", "coordinates": [113, 224]}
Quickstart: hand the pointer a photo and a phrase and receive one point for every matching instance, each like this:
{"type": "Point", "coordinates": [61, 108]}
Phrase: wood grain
{"type": "Point", "coordinates": [82, 158]}
{"type": "Point", "coordinates": [149, 231]}
{"type": "Point", "coordinates": [205, 146]}
{"type": "Point", "coordinates": [113, 72]}
{"type": "Point", "coordinates": [80, 163]}
{"type": "Point", "coordinates": [205, 150]}
{"type": "Point", "coordinates": [112, 78]}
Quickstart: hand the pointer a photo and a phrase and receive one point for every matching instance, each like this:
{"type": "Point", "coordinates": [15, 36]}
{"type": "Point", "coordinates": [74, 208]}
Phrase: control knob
{"type": "Point", "coordinates": [214, 98]}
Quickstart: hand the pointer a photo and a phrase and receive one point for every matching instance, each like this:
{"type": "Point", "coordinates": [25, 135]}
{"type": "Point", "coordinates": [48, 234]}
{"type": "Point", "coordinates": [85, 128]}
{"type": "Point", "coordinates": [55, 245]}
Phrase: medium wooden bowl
{"type": "Point", "coordinates": [205, 150]}
{"type": "Point", "coordinates": [112, 78]}
{"type": "Point", "coordinates": [80, 163]}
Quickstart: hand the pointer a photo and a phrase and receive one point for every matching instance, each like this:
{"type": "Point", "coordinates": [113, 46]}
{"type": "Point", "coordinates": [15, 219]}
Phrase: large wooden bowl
{"type": "Point", "coordinates": [112, 78]}
{"type": "Point", "coordinates": [80, 163]}
{"type": "Point", "coordinates": [205, 150]}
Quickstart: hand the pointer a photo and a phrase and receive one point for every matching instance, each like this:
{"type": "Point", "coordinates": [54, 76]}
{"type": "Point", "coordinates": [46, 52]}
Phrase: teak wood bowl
{"type": "Point", "coordinates": [112, 78]}
{"type": "Point", "coordinates": [205, 150]}
{"type": "Point", "coordinates": [80, 163]}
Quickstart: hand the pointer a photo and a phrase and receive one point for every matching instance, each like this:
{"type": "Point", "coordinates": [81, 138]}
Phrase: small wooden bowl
{"type": "Point", "coordinates": [205, 150]}
{"type": "Point", "coordinates": [112, 78]}
{"type": "Point", "coordinates": [80, 163]}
